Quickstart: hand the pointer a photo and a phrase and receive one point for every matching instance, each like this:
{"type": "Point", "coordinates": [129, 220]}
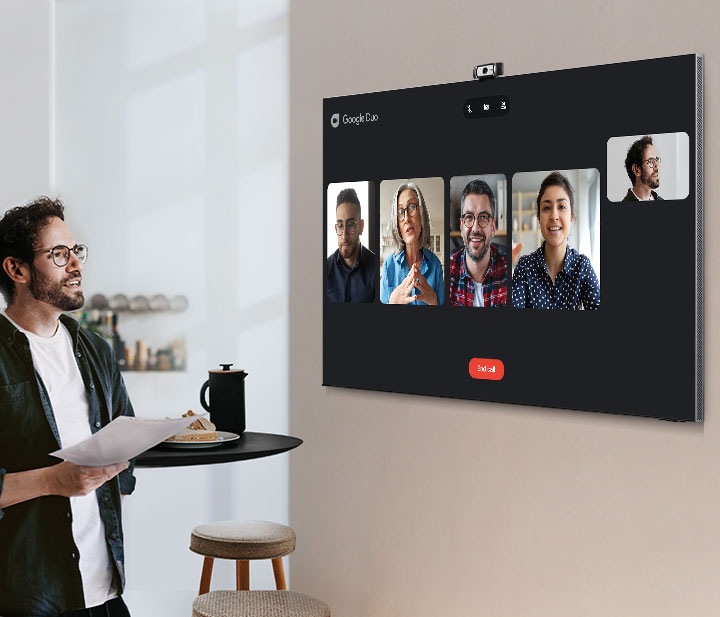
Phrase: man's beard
{"type": "Point", "coordinates": [348, 250]}
{"type": "Point", "coordinates": [480, 254]}
{"type": "Point", "coordinates": [53, 293]}
{"type": "Point", "coordinates": [647, 180]}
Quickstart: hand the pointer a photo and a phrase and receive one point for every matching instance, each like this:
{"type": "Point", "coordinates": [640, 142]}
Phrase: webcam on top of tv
{"type": "Point", "coordinates": [486, 71]}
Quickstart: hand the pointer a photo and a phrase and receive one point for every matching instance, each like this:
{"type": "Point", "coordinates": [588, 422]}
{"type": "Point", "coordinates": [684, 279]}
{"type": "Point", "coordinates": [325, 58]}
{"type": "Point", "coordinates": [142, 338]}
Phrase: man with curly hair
{"type": "Point", "coordinates": [61, 540]}
{"type": "Point", "coordinates": [642, 165]}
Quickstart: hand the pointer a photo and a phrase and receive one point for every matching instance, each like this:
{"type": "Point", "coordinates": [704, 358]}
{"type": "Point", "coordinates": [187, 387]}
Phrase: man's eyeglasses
{"type": "Point", "coordinates": [653, 162]}
{"type": "Point", "coordinates": [483, 219]}
{"type": "Point", "coordinates": [350, 226]}
{"type": "Point", "coordinates": [61, 253]}
{"type": "Point", "coordinates": [410, 210]}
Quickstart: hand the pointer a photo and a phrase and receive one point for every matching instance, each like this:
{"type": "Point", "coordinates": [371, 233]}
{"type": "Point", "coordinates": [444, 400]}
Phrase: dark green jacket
{"type": "Point", "coordinates": [633, 197]}
{"type": "Point", "coordinates": [39, 571]}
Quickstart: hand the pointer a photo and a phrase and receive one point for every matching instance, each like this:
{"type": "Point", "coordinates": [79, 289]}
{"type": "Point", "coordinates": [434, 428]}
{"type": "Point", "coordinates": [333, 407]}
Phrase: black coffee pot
{"type": "Point", "coordinates": [227, 398]}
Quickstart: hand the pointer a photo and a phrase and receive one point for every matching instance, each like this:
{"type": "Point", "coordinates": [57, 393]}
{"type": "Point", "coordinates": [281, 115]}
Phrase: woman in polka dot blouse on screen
{"type": "Point", "coordinates": [555, 276]}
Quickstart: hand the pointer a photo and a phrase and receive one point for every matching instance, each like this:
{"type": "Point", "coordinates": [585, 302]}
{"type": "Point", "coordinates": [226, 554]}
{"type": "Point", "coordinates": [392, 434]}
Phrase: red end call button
{"type": "Point", "coordinates": [486, 368]}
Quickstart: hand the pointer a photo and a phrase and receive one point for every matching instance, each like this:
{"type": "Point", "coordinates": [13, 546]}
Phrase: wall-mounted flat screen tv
{"type": "Point", "coordinates": [533, 239]}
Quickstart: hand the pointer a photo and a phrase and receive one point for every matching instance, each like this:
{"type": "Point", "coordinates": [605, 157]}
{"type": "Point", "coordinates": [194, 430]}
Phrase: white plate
{"type": "Point", "coordinates": [223, 437]}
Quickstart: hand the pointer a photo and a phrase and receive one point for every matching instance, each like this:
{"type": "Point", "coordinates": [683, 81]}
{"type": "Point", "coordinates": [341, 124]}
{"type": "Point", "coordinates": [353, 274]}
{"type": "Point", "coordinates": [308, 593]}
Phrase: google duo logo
{"type": "Point", "coordinates": [335, 121]}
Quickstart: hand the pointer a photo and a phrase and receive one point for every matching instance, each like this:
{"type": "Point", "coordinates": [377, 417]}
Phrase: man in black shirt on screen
{"type": "Point", "coordinates": [351, 268]}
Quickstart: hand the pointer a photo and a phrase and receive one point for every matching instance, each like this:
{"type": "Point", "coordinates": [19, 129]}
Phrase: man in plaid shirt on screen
{"type": "Point", "coordinates": [478, 271]}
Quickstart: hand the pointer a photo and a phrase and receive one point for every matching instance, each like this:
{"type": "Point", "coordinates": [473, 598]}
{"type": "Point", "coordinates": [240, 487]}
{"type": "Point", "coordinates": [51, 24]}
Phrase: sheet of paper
{"type": "Point", "coordinates": [124, 438]}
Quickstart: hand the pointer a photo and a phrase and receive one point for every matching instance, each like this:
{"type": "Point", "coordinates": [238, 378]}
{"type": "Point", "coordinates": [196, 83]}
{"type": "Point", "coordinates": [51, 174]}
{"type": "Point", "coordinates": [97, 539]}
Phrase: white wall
{"type": "Point", "coordinates": [26, 137]}
{"type": "Point", "coordinates": [171, 158]}
{"type": "Point", "coordinates": [407, 506]}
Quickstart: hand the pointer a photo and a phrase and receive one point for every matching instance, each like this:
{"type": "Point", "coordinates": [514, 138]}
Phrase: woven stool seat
{"type": "Point", "coordinates": [258, 604]}
{"type": "Point", "coordinates": [242, 541]}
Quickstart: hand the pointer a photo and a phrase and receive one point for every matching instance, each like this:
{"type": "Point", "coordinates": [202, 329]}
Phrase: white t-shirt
{"type": "Point", "coordinates": [478, 299]}
{"type": "Point", "coordinates": [651, 198]}
{"type": "Point", "coordinates": [54, 361]}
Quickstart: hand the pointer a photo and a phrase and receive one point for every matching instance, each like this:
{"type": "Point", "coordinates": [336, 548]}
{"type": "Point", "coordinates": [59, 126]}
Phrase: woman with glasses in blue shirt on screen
{"type": "Point", "coordinates": [555, 276]}
{"type": "Point", "coordinates": [412, 274]}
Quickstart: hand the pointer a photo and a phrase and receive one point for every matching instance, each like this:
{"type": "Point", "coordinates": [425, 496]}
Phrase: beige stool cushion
{"type": "Point", "coordinates": [243, 540]}
{"type": "Point", "coordinates": [258, 604]}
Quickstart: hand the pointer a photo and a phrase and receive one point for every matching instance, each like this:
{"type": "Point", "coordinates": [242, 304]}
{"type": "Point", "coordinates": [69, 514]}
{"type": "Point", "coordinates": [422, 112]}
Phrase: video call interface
{"type": "Point", "coordinates": [532, 239]}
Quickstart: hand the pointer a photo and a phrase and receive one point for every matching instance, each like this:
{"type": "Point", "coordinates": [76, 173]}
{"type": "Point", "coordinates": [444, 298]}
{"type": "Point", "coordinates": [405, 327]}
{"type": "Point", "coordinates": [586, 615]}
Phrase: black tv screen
{"type": "Point", "coordinates": [533, 239]}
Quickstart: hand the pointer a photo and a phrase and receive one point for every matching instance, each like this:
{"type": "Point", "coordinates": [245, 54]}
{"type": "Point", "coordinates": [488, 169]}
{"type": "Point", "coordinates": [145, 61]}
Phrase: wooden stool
{"type": "Point", "coordinates": [242, 541]}
{"type": "Point", "coordinates": [258, 604]}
